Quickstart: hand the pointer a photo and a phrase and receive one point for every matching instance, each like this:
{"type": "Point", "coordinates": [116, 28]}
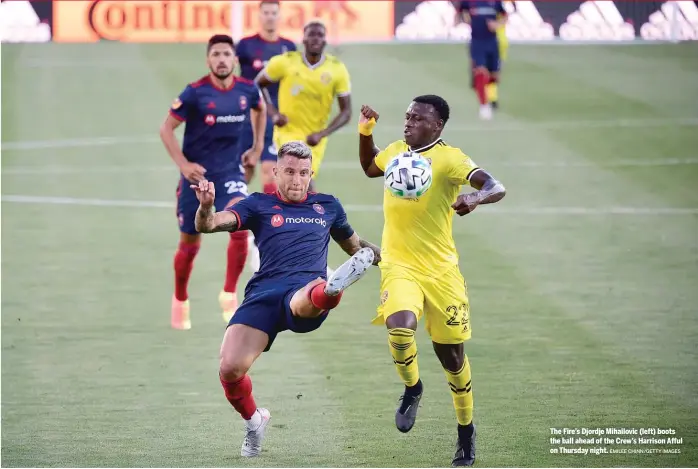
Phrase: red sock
{"type": "Point", "coordinates": [237, 254]}
{"type": "Point", "coordinates": [481, 80]}
{"type": "Point", "coordinates": [269, 188]}
{"type": "Point", "coordinates": [183, 263]}
{"type": "Point", "coordinates": [239, 394]}
{"type": "Point", "coordinates": [322, 300]}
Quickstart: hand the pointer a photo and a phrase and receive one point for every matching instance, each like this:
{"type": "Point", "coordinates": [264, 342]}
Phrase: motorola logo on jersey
{"type": "Point", "coordinates": [305, 221]}
{"type": "Point", "coordinates": [277, 220]}
{"type": "Point", "coordinates": [210, 119]}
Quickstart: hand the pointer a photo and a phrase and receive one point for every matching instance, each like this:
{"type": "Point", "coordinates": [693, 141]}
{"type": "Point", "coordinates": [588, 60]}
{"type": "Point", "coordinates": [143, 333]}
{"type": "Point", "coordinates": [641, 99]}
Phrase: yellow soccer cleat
{"type": "Point", "coordinates": [180, 314]}
{"type": "Point", "coordinates": [229, 303]}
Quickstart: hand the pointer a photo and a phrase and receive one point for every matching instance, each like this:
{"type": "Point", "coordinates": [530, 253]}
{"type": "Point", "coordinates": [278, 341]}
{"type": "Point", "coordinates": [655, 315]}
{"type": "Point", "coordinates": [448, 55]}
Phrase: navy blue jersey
{"type": "Point", "coordinates": [254, 52]}
{"type": "Point", "coordinates": [215, 121]}
{"type": "Point", "coordinates": [292, 238]}
{"type": "Point", "coordinates": [480, 13]}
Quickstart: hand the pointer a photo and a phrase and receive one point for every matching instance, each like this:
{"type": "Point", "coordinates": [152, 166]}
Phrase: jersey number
{"type": "Point", "coordinates": [236, 186]}
{"type": "Point", "coordinates": [453, 320]}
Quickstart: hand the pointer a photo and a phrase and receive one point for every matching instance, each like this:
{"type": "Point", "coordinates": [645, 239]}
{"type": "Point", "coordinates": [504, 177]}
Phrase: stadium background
{"type": "Point", "coordinates": [582, 279]}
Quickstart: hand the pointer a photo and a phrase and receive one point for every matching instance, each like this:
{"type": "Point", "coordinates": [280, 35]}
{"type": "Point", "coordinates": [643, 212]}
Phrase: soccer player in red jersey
{"type": "Point", "coordinates": [215, 110]}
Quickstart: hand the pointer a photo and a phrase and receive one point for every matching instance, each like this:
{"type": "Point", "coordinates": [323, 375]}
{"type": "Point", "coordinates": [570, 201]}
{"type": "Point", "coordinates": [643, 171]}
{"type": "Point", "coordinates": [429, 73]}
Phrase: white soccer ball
{"type": "Point", "coordinates": [408, 175]}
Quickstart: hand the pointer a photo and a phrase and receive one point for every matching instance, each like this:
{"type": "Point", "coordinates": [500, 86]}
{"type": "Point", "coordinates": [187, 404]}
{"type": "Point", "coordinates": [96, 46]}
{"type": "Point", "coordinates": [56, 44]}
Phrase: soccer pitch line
{"type": "Point", "coordinates": [343, 165]}
{"type": "Point", "coordinates": [24, 145]}
{"type": "Point", "coordinates": [493, 210]}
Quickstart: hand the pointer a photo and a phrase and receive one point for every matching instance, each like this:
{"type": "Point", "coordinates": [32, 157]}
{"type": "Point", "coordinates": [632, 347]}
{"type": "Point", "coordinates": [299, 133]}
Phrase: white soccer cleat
{"type": "Point", "coordinates": [349, 272]}
{"type": "Point", "coordinates": [252, 253]}
{"type": "Point", "coordinates": [252, 446]}
{"type": "Point", "coordinates": [486, 112]}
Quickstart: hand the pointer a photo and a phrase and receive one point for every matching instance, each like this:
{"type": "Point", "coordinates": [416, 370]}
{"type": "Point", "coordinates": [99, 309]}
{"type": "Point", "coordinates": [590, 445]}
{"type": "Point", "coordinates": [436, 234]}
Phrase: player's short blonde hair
{"type": "Point", "coordinates": [297, 149]}
{"type": "Point", "coordinates": [314, 22]}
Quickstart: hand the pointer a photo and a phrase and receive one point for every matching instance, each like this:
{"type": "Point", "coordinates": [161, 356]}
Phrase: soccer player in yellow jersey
{"type": "Point", "coordinates": [419, 267]}
{"type": "Point", "coordinates": [308, 83]}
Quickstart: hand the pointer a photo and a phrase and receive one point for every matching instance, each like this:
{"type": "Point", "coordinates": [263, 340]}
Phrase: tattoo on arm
{"type": "Point", "coordinates": [489, 190]}
{"type": "Point", "coordinates": [210, 221]}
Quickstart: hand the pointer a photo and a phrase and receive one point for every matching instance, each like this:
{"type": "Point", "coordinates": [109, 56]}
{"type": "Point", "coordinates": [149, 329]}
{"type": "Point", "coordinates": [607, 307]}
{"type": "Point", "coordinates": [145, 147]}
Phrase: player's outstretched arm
{"type": "Point", "coordinates": [489, 191]}
{"type": "Point", "coordinates": [352, 244]}
{"type": "Point", "coordinates": [207, 219]}
{"type": "Point", "coordinates": [367, 147]}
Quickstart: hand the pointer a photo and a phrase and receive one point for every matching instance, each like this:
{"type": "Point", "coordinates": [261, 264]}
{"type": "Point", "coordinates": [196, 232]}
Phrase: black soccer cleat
{"type": "Point", "coordinates": [465, 448]}
{"type": "Point", "coordinates": [406, 412]}
{"type": "Point", "coordinates": [495, 104]}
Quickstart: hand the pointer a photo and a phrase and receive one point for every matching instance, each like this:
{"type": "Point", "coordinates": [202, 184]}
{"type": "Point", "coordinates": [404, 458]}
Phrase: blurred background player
{"type": "Point", "coordinates": [488, 29]}
{"type": "Point", "coordinates": [308, 83]}
{"type": "Point", "coordinates": [215, 109]}
{"type": "Point", "coordinates": [254, 52]}
{"type": "Point", "coordinates": [419, 267]}
{"type": "Point", "coordinates": [288, 292]}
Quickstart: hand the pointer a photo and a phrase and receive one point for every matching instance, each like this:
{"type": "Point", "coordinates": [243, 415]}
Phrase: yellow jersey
{"type": "Point", "coordinates": [306, 92]}
{"type": "Point", "coordinates": [418, 234]}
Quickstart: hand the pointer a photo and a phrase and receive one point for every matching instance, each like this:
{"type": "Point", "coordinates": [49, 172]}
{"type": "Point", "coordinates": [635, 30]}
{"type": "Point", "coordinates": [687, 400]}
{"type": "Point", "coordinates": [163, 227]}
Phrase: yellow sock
{"type": "Point", "coordinates": [462, 393]}
{"type": "Point", "coordinates": [492, 92]}
{"type": "Point", "coordinates": [403, 348]}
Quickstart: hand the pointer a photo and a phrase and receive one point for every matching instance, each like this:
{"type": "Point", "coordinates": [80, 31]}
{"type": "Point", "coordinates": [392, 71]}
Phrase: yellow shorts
{"type": "Point", "coordinates": [443, 300]}
{"type": "Point", "coordinates": [282, 136]}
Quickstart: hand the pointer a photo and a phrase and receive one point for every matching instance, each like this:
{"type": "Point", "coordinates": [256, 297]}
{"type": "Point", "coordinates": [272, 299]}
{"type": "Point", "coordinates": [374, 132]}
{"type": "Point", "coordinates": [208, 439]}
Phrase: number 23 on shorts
{"type": "Point", "coordinates": [235, 187]}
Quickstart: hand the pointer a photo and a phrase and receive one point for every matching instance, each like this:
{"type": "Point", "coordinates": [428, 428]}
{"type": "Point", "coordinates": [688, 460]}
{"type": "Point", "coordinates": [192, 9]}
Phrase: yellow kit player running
{"type": "Point", "coordinates": [419, 267]}
{"type": "Point", "coordinates": [308, 83]}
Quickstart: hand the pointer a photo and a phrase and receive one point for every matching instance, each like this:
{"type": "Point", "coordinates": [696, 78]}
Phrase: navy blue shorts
{"type": "Point", "coordinates": [228, 187]}
{"type": "Point", "coordinates": [267, 307]}
{"type": "Point", "coordinates": [485, 54]}
{"type": "Point", "coordinates": [269, 152]}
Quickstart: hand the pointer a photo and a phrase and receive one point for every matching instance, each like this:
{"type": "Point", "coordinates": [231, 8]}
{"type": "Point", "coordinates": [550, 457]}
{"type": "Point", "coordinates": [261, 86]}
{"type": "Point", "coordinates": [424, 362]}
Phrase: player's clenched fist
{"type": "Point", "coordinates": [205, 192]}
{"type": "Point", "coordinates": [466, 203]}
{"type": "Point", "coordinates": [367, 113]}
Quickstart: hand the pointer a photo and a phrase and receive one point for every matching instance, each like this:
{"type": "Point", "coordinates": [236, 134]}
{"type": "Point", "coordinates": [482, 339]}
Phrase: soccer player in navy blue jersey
{"type": "Point", "coordinates": [216, 109]}
{"type": "Point", "coordinates": [293, 228]}
{"type": "Point", "coordinates": [485, 18]}
{"type": "Point", "coordinates": [253, 54]}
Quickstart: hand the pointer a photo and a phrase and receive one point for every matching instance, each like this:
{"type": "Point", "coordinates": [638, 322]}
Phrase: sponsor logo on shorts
{"type": "Point", "coordinates": [384, 297]}
{"type": "Point", "coordinates": [319, 208]}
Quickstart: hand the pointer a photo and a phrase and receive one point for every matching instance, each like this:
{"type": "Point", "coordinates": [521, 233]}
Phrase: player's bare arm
{"type": "Point", "coordinates": [207, 219]}
{"type": "Point", "coordinates": [489, 191]}
{"type": "Point", "coordinates": [193, 172]}
{"type": "Point", "coordinates": [258, 119]}
{"type": "Point", "coordinates": [339, 121]}
{"type": "Point", "coordinates": [367, 147]}
{"type": "Point", "coordinates": [263, 81]}
{"type": "Point", "coordinates": [354, 243]}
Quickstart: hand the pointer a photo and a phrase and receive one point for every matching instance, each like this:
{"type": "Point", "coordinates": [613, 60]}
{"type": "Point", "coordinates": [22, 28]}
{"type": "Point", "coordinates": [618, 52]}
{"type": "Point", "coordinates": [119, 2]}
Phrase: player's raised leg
{"type": "Point", "coordinates": [241, 346]}
{"type": "Point", "coordinates": [238, 248]}
{"type": "Point", "coordinates": [320, 295]}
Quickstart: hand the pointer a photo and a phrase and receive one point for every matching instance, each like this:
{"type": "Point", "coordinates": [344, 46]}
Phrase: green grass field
{"type": "Point", "coordinates": [582, 280]}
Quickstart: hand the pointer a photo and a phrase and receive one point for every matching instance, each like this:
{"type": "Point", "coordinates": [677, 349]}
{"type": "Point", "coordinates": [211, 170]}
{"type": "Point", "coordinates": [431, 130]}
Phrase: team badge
{"type": "Point", "coordinates": [284, 49]}
{"type": "Point", "coordinates": [277, 220]}
{"type": "Point", "coordinates": [210, 119]}
{"type": "Point", "coordinates": [326, 78]}
{"type": "Point", "coordinates": [257, 64]}
{"type": "Point", "coordinates": [243, 103]}
{"type": "Point", "coordinates": [319, 208]}
{"type": "Point", "coordinates": [176, 104]}
{"type": "Point", "coordinates": [428, 161]}
{"type": "Point", "coordinates": [384, 297]}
